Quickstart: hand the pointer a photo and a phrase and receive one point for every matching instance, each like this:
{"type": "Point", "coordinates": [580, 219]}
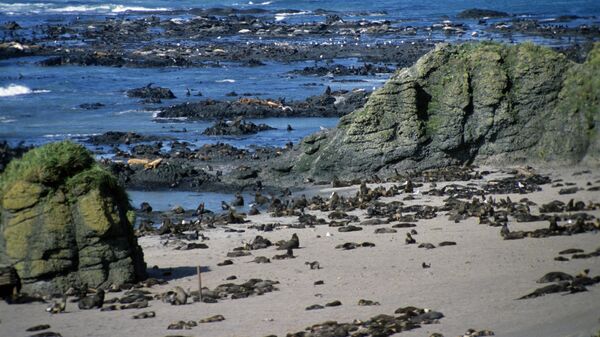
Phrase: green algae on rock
{"type": "Point", "coordinates": [463, 104]}
{"type": "Point", "coordinates": [64, 222]}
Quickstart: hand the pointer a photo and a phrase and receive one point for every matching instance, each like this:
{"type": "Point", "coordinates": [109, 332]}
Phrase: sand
{"type": "Point", "coordinates": [475, 284]}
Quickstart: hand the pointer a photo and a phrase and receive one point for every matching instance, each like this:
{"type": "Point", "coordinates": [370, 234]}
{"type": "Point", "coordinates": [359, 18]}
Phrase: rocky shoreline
{"type": "Point", "coordinates": [370, 143]}
{"type": "Point", "coordinates": [131, 42]}
{"type": "Point", "coordinates": [328, 104]}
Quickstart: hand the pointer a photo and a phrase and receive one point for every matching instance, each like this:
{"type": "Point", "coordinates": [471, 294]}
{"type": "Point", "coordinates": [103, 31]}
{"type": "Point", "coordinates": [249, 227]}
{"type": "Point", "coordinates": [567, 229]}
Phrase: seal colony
{"type": "Point", "coordinates": [462, 211]}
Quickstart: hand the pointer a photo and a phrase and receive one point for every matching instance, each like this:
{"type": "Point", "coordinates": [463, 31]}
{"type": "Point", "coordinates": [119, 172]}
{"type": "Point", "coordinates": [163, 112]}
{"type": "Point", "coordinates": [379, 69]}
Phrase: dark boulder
{"type": "Point", "coordinates": [237, 127]}
{"type": "Point", "coordinates": [150, 92]}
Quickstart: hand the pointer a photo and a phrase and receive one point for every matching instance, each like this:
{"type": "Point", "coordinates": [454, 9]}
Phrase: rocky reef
{"type": "Point", "coordinates": [66, 222]}
{"type": "Point", "coordinates": [328, 104]}
{"type": "Point", "coordinates": [237, 127]}
{"type": "Point", "coordinates": [461, 104]}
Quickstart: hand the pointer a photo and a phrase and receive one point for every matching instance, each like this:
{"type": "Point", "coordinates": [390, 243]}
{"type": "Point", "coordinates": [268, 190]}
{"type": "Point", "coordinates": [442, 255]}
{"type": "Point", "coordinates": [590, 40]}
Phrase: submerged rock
{"type": "Point", "coordinates": [237, 127]}
{"type": "Point", "coordinates": [119, 137]}
{"type": "Point", "coordinates": [150, 92]}
{"type": "Point", "coordinates": [66, 222]}
{"type": "Point", "coordinates": [328, 104]}
{"type": "Point", "coordinates": [468, 103]}
{"type": "Point", "coordinates": [477, 13]}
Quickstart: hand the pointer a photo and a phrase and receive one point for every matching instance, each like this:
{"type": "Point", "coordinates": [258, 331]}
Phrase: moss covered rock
{"type": "Point", "coordinates": [64, 222]}
{"type": "Point", "coordinates": [460, 104]}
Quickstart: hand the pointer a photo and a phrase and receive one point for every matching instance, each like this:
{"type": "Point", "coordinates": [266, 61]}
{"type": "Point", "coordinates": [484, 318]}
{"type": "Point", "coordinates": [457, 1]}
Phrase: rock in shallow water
{"type": "Point", "coordinates": [238, 127]}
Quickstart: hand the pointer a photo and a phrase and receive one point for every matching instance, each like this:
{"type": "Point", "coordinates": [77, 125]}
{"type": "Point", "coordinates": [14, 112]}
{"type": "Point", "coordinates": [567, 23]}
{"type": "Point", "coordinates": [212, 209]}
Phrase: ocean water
{"type": "Point", "coordinates": [408, 9]}
{"type": "Point", "coordinates": [41, 104]}
{"type": "Point", "coordinates": [164, 201]}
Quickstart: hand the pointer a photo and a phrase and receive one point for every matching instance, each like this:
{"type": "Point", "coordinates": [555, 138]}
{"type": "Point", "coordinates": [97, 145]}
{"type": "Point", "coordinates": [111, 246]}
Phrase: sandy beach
{"type": "Point", "coordinates": [475, 283]}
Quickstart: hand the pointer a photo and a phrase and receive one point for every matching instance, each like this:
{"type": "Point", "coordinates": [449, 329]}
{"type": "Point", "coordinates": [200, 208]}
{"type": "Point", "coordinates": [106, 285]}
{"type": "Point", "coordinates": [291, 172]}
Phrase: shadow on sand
{"type": "Point", "coordinates": [174, 273]}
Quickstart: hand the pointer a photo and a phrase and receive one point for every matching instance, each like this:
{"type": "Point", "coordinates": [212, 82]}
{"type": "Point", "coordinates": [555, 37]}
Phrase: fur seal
{"type": "Point", "coordinates": [571, 251]}
{"type": "Point", "coordinates": [260, 199]}
{"type": "Point", "coordinates": [145, 314]}
{"type": "Point", "coordinates": [288, 255]}
{"type": "Point", "coordinates": [93, 301]}
{"type": "Point", "coordinates": [555, 276]}
{"type": "Point", "coordinates": [261, 259]}
{"type": "Point", "coordinates": [313, 265]}
{"type": "Point", "coordinates": [334, 200]}
{"type": "Point", "coordinates": [504, 231]}
{"type": "Point", "coordinates": [553, 225]}
{"type": "Point", "coordinates": [293, 243]}
{"type": "Point", "coordinates": [314, 307]}
{"type": "Point", "coordinates": [300, 203]}
{"type": "Point", "coordinates": [335, 303]}
{"type": "Point", "coordinates": [38, 327]}
{"type": "Point", "coordinates": [182, 325]}
{"type": "Point", "coordinates": [238, 200]}
{"type": "Point", "coordinates": [135, 305]}
{"type": "Point", "coordinates": [177, 296]}
{"type": "Point", "coordinates": [201, 209]}
{"type": "Point", "coordinates": [409, 239]}
{"type": "Point", "coordinates": [212, 319]}
{"type": "Point", "coordinates": [408, 187]}
{"type": "Point", "coordinates": [364, 303]}
{"type": "Point", "coordinates": [253, 210]}
{"type": "Point", "coordinates": [58, 306]}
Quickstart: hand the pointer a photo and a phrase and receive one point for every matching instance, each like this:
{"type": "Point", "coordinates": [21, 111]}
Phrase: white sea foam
{"type": "Point", "coordinates": [225, 81]}
{"type": "Point", "coordinates": [118, 113]}
{"type": "Point", "coordinates": [17, 8]}
{"type": "Point", "coordinates": [283, 16]}
{"type": "Point", "coordinates": [265, 3]}
{"type": "Point", "coordinates": [155, 117]}
{"type": "Point", "coordinates": [6, 120]}
{"type": "Point", "coordinates": [121, 9]}
{"type": "Point", "coordinates": [80, 8]}
{"type": "Point", "coordinates": [105, 9]}
{"type": "Point", "coordinates": [16, 89]}
{"type": "Point", "coordinates": [70, 135]}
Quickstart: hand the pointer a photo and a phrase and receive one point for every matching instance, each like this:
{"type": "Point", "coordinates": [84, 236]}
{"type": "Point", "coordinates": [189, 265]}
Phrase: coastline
{"type": "Point", "coordinates": [474, 284]}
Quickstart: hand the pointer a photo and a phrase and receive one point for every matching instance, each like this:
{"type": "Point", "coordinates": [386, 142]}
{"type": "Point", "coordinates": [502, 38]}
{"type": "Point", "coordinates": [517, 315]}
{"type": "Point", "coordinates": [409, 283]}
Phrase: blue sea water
{"type": "Point", "coordinates": [41, 104]}
{"type": "Point", "coordinates": [424, 9]}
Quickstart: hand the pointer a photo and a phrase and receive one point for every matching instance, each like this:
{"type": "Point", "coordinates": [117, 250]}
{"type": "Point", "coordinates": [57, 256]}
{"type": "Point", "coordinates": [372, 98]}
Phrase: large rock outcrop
{"type": "Point", "coordinates": [468, 103]}
{"type": "Point", "coordinates": [64, 222]}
